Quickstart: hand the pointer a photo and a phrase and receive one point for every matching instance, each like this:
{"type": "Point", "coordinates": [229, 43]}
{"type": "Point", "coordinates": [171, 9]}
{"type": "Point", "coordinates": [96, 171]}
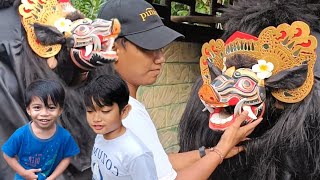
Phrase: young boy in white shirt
{"type": "Point", "coordinates": [117, 153]}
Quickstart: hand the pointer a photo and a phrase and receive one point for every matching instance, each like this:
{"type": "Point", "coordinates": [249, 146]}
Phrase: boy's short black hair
{"type": "Point", "coordinates": [45, 89]}
{"type": "Point", "coordinates": [106, 90]}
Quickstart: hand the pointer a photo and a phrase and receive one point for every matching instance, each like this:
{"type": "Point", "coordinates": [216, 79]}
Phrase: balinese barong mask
{"type": "Point", "coordinates": [281, 60]}
{"type": "Point", "coordinates": [49, 25]}
{"type": "Point", "coordinates": [91, 42]}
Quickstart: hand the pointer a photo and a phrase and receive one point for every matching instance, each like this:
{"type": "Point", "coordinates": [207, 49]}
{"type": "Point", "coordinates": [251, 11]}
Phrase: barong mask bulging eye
{"type": "Point", "coordinates": [281, 59]}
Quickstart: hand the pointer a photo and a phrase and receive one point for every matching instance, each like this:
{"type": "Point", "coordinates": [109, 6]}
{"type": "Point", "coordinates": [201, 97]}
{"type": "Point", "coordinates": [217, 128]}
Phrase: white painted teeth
{"type": "Point", "coordinates": [221, 121]}
{"type": "Point", "coordinates": [237, 108]}
{"type": "Point", "coordinates": [109, 53]}
{"type": "Point", "coordinates": [250, 113]}
{"type": "Point", "coordinates": [88, 49]}
{"type": "Point", "coordinates": [240, 106]}
{"type": "Point", "coordinates": [207, 107]}
{"type": "Point", "coordinates": [210, 109]}
{"type": "Point", "coordinates": [221, 118]}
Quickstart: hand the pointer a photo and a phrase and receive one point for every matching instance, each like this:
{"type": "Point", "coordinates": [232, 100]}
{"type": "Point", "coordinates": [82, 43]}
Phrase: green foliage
{"type": "Point", "coordinates": [178, 9]}
{"type": "Point", "coordinates": [89, 8]}
{"type": "Point", "coordinates": [203, 6]}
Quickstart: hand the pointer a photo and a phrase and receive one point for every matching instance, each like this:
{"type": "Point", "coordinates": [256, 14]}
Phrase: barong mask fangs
{"type": "Point", "coordinates": [284, 56]}
{"type": "Point", "coordinates": [47, 29]}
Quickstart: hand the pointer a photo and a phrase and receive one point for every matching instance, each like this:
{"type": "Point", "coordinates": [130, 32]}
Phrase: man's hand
{"type": "Point", "coordinates": [30, 174]}
{"type": "Point", "coordinates": [235, 134]}
{"type": "Point", "coordinates": [234, 151]}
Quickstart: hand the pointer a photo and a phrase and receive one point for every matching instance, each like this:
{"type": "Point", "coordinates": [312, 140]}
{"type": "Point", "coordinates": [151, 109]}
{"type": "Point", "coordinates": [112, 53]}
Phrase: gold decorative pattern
{"type": "Point", "coordinates": [286, 46]}
{"type": "Point", "coordinates": [44, 12]}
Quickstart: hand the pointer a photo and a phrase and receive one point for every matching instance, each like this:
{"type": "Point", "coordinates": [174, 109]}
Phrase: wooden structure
{"type": "Point", "coordinates": [196, 27]}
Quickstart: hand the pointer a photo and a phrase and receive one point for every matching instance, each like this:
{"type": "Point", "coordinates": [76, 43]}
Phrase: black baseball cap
{"type": "Point", "coordinates": [140, 23]}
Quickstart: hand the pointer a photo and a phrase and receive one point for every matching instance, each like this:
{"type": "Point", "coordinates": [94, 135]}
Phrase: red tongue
{"type": "Point", "coordinates": [83, 52]}
{"type": "Point", "coordinates": [101, 38]}
{"type": "Point", "coordinates": [217, 110]}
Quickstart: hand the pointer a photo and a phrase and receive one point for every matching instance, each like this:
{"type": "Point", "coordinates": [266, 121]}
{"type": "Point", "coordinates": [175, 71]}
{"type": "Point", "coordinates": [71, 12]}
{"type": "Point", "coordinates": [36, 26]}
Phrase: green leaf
{"type": "Point", "coordinates": [182, 13]}
{"type": "Point", "coordinates": [89, 8]}
{"type": "Point", "coordinates": [202, 10]}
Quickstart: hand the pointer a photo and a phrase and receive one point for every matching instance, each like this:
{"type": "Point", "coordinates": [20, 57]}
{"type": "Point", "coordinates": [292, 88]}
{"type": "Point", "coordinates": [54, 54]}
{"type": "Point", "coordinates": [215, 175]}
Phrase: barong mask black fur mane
{"type": "Point", "coordinates": [49, 39]}
{"type": "Point", "coordinates": [286, 144]}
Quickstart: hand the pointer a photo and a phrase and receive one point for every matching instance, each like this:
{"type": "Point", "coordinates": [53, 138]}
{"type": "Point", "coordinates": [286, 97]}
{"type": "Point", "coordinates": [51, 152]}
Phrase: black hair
{"type": "Point", "coordinates": [45, 89]}
{"type": "Point", "coordinates": [106, 90]}
{"type": "Point", "coordinates": [252, 16]}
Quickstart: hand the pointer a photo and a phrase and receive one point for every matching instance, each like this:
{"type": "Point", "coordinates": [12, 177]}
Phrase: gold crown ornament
{"type": "Point", "coordinates": [47, 12]}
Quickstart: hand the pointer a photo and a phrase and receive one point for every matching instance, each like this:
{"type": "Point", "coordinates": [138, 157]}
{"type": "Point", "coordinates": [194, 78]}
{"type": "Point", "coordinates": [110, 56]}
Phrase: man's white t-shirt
{"type": "Point", "coordinates": [140, 123]}
{"type": "Point", "coordinates": [122, 158]}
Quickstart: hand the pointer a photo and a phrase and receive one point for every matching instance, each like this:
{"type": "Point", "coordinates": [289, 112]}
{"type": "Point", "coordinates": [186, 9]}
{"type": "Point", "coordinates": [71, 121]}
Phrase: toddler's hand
{"type": "Point", "coordinates": [30, 174]}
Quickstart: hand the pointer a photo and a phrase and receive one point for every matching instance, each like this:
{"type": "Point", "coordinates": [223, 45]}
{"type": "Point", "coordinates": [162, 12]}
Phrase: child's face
{"type": "Point", "coordinates": [106, 120]}
{"type": "Point", "coordinates": [43, 117]}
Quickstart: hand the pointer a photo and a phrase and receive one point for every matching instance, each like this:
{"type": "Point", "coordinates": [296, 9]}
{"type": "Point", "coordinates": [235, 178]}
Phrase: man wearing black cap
{"type": "Point", "coordinates": [140, 58]}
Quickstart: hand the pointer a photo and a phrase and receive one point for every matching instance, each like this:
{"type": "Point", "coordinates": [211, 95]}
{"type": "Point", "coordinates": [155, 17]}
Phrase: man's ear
{"type": "Point", "coordinates": [48, 35]}
{"type": "Point", "coordinates": [290, 78]}
{"type": "Point", "coordinates": [125, 111]}
{"type": "Point", "coordinates": [117, 45]}
{"type": "Point", "coordinates": [114, 47]}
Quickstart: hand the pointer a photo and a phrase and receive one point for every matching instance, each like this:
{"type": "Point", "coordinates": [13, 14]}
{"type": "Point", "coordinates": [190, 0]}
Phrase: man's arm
{"type": "Point", "coordinates": [15, 165]}
{"type": "Point", "coordinates": [204, 167]}
{"type": "Point", "coordinates": [183, 160]}
{"type": "Point", "coordinates": [60, 168]}
{"type": "Point", "coordinates": [201, 169]}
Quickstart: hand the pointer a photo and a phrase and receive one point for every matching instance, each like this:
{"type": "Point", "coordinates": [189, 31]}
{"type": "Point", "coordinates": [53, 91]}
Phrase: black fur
{"type": "Point", "coordinates": [252, 16]}
{"type": "Point", "coordinates": [6, 3]}
{"type": "Point", "coordinates": [239, 61]}
{"type": "Point", "coordinates": [288, 79]}
{"type": "Point", "coordinates": [75, 15]}
{"type": "Point", "coordinates": [48, 35]}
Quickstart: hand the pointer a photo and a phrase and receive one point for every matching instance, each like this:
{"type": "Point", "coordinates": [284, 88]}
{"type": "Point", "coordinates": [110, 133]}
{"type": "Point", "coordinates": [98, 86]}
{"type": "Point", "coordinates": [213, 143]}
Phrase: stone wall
{"type": "Point", "coordinates": [166, 99]}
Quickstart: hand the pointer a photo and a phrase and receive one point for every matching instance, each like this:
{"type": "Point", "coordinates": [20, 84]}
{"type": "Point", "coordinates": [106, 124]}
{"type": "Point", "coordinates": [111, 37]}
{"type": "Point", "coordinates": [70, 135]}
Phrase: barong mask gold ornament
{"type": "Point", "coordinates": [281, 59]}
{"type": "Point", "coordinates": [48, 29]}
